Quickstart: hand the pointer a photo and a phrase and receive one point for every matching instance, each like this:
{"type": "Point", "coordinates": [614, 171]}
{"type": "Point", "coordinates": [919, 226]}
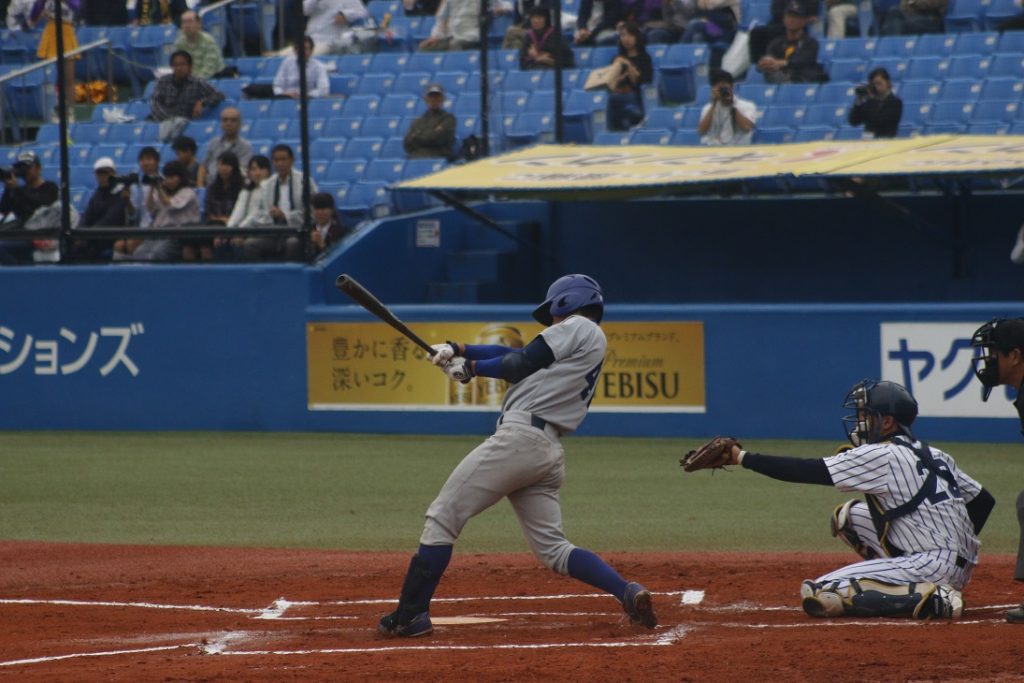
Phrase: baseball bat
{"type": "Point", "coordinates": [362, 296]}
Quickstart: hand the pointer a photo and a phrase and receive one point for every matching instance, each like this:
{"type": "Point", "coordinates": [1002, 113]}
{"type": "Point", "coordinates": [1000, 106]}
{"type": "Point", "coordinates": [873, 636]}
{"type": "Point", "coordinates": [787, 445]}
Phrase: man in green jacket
{"type": "Point", "coordinates": [433, 134]}
{"type": "Point", "coordinates": [207, 58]}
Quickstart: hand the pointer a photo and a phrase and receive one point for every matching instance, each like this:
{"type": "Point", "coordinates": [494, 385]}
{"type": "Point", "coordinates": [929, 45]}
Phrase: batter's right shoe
{"type": "Point", "coordinates": [419, 625]}
{"type": "Point", "coordinates": [1016, 615]}
{"type": "Point", "coordinates": [637, 603]}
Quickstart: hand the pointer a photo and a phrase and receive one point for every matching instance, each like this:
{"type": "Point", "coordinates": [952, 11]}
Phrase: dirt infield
{"type": "Point", "coordinates": [134, 613]}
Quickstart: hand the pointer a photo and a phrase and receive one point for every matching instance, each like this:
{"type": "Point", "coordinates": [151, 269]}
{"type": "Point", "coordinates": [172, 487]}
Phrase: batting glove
{"type": "Point", "coordinates": [445, 352]}
{"type": "Point", "coordinates": [459, 369]}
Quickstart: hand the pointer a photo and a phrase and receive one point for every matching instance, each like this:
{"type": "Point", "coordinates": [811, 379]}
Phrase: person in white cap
{"type": "Point", "coordinates": [107, 208]}
{"type": "Point", "coordinates": [433, 134]}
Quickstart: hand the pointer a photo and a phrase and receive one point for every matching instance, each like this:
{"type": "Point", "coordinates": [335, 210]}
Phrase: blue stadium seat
{"type": "Point", "coordinates": [337, 190]}
{"type": "Point", "coordinates": [328, 149]}
{"type": "Point", "coordinates": [284, 109]}
{"type": "Point", "coordinates": [529, 128]}
{"type": "Point", "coordinates": [976, 43]}
{"type": "Point", "coordinates": [998, 11]}
{"type": "Point", "coordinates": [664, 118]}
{"type": "Point", "coordinates": [945, 128]}
{"type": "Point", "coordinates": [319, 167]}
{"type": "Point", "coordinates": [385, 170]}
{"type": "Point", "coordinates": [394, 148]}
{"type": "Point", "coordinates": [855, 48]}
{"type": "Point", "coordinates": [456, 82]}
{"type": "Point", "coordinates": [969, 66]}
{"type": "Point", "coordinates": [346, 170]}
{"type": "Point", "coordinates": [344, 83]}
{"type": "Point", "coordinates": [678, 55]}
{"type": "Point", "coordinates": [761, 94]}
{"type": "Point", "coordinates": [359, 63]}
{"type": "Point", "coordinates": [140, 109]}
{"type": "Point", "coordinates": [794, 94]}
{"type": "Point", "coordinates": [364, 147]}
{"type": "Point", "coordinates": [612, 138]}
{"type": "Point", "coordinates": [691, 115]}
{"type": "Point", "coordinates": [960, 90]}
{"type": "Point", "coordinates": [896, 46]}
{"type": "Point", "coordinates": [406, 201]}
{"type": "Point", "coordinates": [916, 115]}
{"type": "Point", "coordinates": [49, 133]}
{"type": "Point", "coordinates": [460, 61]}
{"type": "Point", "coordinates": [271, 129]}
{"type": "Point", "coordinates": [851, 133]}
{"type": "Point", "coordinates": [1017, 128]}
{"type": "Point", "coordinates": [81, 175]}
{"type": "Point", "coordinates": [935, 68]}
{"type": "Point", "coordinates": [1002, 89]}
{"type": "Point", "coordinates": [529, 81]}
{"type": "Point", "coordinates": [412, 83]}
{"type": "Point", "coordinates": [935, 45]}
{"type": "Point", "coordinates": [988, 128]}
{"type": "Point", "coordinates": [360, 105]}
{"type": "Point", "coordinates": [652, 136]}
{"type": "Point", "coordinates": [1009, 65]}
{"type": "Point", "coordinates": [604, 54]}
{"type": "Point", "coordinates": [995, 111]}
{"type": "Point", "coordinates": [365, 200]}
{"type": "Point", "coordinates": [835, 93]}
{"type": "Point", "coordinates": [896, 66]}
{"type": "Point", "coordinates": [814, 133]}
{"type": "Point", "coordinates": [129, 133]}
{"type": "Point", "coordinates": [378, 8]}
{"type": "Point", "coordinates": [513, 102]}
{"type": "Point", "coordinates": [849, 70]}
{"type": "Point", "coordinates": [507, 60]}
{"type": "Point", "coordinates": [422, 30]}
{"type": "Point", "coordinates": [687, 138]}
{"type": "Point", "coordinates": [1011, 42]}
{"type": "Point", "coordinates": [254, 109]}
{"type": "Point", "coordinates": [919, 90]}
{"type": "Point", "coordinates": [399, 105]}
{"type": "Point", "coordinates": [115, 152]}
{"type": "Point", "coordinates": [771, 135]}
{"type": "Point", "coordinates": [587, 100]}
{"type": "Point", "coordinates": [963, 16]}
{"type": "Point", "coordinates": [249, 67]}
{"type": "Point", "coordinates": [379, 84]}
{"type": "Point", "coordinates": [828, 115]}
{"type": "Point", "coordinates": [468, 103]}
{"type": "Point", "coordinates": [780, 116]}
{"type": "Point", "coordinates": [541, 102]}
{"type": "Point", "coordinates": [89, 133]}
{"type": "Point", "coordinates": [342, 127]}
{"type": "Point", "coordinates": [426, 61]}
{"type": "Point", "coordinates": [958, 113]}
{"type": "Point", "coordinates": [230, 87]}
{"type": "Point", "coordinates": [382, 126]}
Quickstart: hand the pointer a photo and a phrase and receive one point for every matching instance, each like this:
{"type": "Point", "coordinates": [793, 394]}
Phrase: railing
{"type": "Point", "coordinates": [21, 73]}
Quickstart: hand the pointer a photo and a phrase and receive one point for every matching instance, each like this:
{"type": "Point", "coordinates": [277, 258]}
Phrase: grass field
{"type": "Point", "coordinates": [369, 492]}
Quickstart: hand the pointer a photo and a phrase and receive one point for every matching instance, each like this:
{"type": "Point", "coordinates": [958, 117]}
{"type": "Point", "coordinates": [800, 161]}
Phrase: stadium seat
{"type": "Point", "coordinates": [469, 103]}
{"type": "Point", "coordinates": [781, 116]}
{"type": "Point", "coordinates": [945, 128]}
{"type": "Point", "coordinates": [919, 90]}
{"type": "Point", "coordinates": [248, 67]}
{"type": "Point", "coordinates": [529, 128]}
{"type": "Point", "coordinates": [1002, 89]}
{"type": "Point", "coordinates": [969, 66]}
{"type": "Point", "coordinates": [976, 43]}
{"type": "Point", "coordinates": [81, 175]}
{"type": "Point", "coordinates": [687, 138]}
{"type": "Point", "coordinates": [896, 66]}
{"type": "Point", "coordinates": [324, 108]}
{"type": "Point", "coordinates": [835, 93]}
{"type": "Point", "coordinates": [1011, 42]}
{"type": "Point", "coordinates": [254, 109]}
{"type": "Point", "coordinates": [343, 127]}
{"type": "Point", "coordinates": [354, 64]}
{"type": "Point", "coordinates": [393, 148]}
{"type": "Point", "coordinates": [1009, 65]}
{"type": "Point", "coordinates": [328, 149]}
{"type": "Point", "coordinates": [995, 111]}
{"type": "Point", "coordinates": [936, 45]}
{"type": "Point", "coordinates": [678, 55]}
{"type": "Point", "coordinates": [691, 116]}
{"type": "Point", "coordinates": [453, 82]}
{"type": "Point", "coordinates": [390, 62]}
{"type": "Point", "coordinates": [855, 48]}
{"type": "Point", "coordinates": [849, 70]}
{"type": "Point", "coordinates": [794, 94]}
{"type": "Point", "coordinates": [365, 200]}
{"type": "Point", "coordinates": [49, 133]}
{"type": "Point", "coordinates": [412, 83]}
{"type": "Point", "coordinates": [988, 128]}
{"type": "Point", "coordinates": [652, 136]}
{"type": "Point", "coordinates": [828, 115]}
{"type": "Point", "coordinates": [346, 170]}
{"type": "Point", "coordinates": [513, 102]}
{"type": "Point", "coordinates": [129, 133]}
{"type": "Point", "coordinates": [541, 102]}
{"type": "Point", "coordinates": [364, 147]}
{"type": "Point", "coordinates": [667, 118]}
{"type": "Point", "coordinates": [379, 84]}
{"type": "Point", "coordinates": [344, 83]}
{"type": "Point", "coordinates": [271, 129]}
{"type": "Point", "coordinates": [360, 105]}
{"type": "Point", "coordinates": [935, 68]}
{"type": "Point", "coordinates": [956, 113]}
{"type": "Point", "coordinates": [960, 90]}
{"type": "Point", "coordinates": [115, 152]}
{"type": "Point", "coordinates": [761, 94]}
{"type": "Point", "coordinates": [529, 81]}
{"type": "Point", "coordinates": [851, 133]}
{"type": "Point", "coordinates": [382, 126]}
{"type": "Point", "coordinates": [612, 138]}
{"type": "Point", "coordinates": [399, 105]}
{"type": "Point", "coordinates": [337, 190]}
{"type": "Point", "coordinates": [426, 61]}
{"type": "Point", "coordinates": [387, 170]}
{"type": "Point", "coordinates": [895, 46]}
{"type": "Point", "coordinates": [814, 133]}
{"type": "Point", "coordinates": [963, 16]}
{"type": "Point", "coordinates": [415, 168]}
{"type": "Point", "coordinates": [771, 135]}
{"type": "Point", "coordinates": [468, 60]}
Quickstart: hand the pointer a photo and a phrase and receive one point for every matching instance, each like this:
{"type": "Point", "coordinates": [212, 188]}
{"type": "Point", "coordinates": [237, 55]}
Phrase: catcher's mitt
{"type": "Point", "coordinates": [714, 454]}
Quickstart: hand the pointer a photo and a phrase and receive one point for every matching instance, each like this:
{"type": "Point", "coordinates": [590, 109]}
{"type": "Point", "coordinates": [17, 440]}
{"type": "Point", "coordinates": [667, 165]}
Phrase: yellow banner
{"type": "Point", "coordinates": [975, 153]}
{"type": "Point", "coordinates": [649, 367]}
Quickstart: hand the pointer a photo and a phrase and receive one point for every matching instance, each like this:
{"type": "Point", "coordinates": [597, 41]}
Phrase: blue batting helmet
{"type": "Point", "coordinates": [569, 294]}
{"type": "Point", "coordinates": [871, 400]}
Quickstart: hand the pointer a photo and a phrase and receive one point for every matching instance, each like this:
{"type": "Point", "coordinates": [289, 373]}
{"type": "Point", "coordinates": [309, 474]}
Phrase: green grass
{"type": "Point", "coordinates": [363, 492]}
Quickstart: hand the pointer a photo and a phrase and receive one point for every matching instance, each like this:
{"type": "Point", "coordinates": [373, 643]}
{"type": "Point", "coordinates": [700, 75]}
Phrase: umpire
{"type": "Point", "coordinates": [1001, 341]}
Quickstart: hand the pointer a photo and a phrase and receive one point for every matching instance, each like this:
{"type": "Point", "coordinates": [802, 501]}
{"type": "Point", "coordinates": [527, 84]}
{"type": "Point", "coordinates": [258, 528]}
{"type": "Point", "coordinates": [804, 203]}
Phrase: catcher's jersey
{"type": "Point", "coordinates": [893, 474]}
{"type": "Point", "coordinates": [561, 392]}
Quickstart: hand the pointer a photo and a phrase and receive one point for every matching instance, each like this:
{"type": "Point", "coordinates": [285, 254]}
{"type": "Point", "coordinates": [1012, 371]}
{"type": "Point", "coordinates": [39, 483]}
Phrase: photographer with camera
{"type": "Point", "coordinates": [876, 106]}
{"type": "Point", "coordinates": [21, 201]}
{"type": "Point", "coordinates": [138, 188]}
{"type": "Point", "coordinates": [107, 208]}
{"type": "Point", "coordinates": [173, 204]}
{"type": "Point", "coordinates": [726, 119]}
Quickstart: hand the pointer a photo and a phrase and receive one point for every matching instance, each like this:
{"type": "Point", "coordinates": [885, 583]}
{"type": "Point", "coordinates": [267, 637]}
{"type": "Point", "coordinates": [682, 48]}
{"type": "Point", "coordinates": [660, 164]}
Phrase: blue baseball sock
{"type": "Point", "coordinates": [589, 568]}
{"type": "Point", "coordinates": [436, 557]}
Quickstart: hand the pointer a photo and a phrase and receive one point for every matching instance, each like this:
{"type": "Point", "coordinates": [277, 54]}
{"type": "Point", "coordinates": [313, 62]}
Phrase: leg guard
{"type": "Point", "coordinates": [411, 618]}
{"type": "Point", "coordinates": [869, 598]}
{"type": "Point", "coordinates": [842, 528]}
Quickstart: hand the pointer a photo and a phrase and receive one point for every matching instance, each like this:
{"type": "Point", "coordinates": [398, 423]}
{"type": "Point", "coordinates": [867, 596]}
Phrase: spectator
{"type": "Point", "coordinates": [542, 46]}
{"type": "Point", "coordinates": [727, 119]}
{"type": "Point", "coordinates": [43, 9]}
{"type": "Point", "coordinates": [230, 140]}
{"type": "Point", "coordinates": [218, 204]}
{"type": "Point", "coordinates": [18, 13]}
{"type": "Point", "coordinates": [839, 12]}
{"type": "Point", "coordinates": [107, 208]}
{"type": "Point", "coordinates": [185, 149]}
{"type": "Point", "coordinates": [641, 12]}
{"type": "Point", "coordinates": [247, 205]}
{"type": "Point", "coordinates": [286, 82]}
{"type": "Point", "coordinates": [626, 101]}
{"type": "Point", "coordinates": [457, 27]}
{"type": "Point", "coordinates": [105, 12]}
{"type": "Point", "coordinates": [155, 12]}
{"type": "Point", "coordinates": [433, 133]}
{"type": "Point", "coordinates": [137, 214]}
{"type": "Point", "coordinates": [515, 36]}
{"type": "Point", "coordinates": [173, 204]}
{"type": "Point", "coordinates": [332, 24]}
{"type": "Point", "coordinates": [675, 17]}
{"type": "Point", "coordinates": [876, 106]}
{"type": "Point", "coordinates": [327, 228]}
{"type": "Point", "coordinates": [597, 22]}
{"type": "Point", "coordinates": [715, 21]}
{"type": "Point", "coordinates": [793, 57]}
{"type": "Point", "coordinates": [180, 96]}
{"type": "Point", "coordinates": [760, 36]}
{"type": "Point", "coordinates": [915, 16]}
{"type": "Point", "coordinates": [1017, 257]}
{"type": "Point", "coordinates": [21, 201]}
{"type": "Point", "coordinates": [207, 58]}
{"type": "Point", "coordinates": [280, 204]}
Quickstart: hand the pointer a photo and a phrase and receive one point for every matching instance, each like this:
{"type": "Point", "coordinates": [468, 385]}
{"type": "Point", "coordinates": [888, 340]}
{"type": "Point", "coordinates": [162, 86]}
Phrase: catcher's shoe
{"type": "Point", "coordinates": [1016, 615]}
{"type": "Point", "coordinates": [637, 603]}
{"type": "Point", "coordinates": [943, 602]}
{"type": "Point", "coordinates": [419, 625]}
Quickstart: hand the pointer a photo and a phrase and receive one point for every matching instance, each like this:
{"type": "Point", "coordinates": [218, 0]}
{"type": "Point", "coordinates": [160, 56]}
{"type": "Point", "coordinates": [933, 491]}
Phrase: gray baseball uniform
{"type": "Point", "coordinates": [524, 459]}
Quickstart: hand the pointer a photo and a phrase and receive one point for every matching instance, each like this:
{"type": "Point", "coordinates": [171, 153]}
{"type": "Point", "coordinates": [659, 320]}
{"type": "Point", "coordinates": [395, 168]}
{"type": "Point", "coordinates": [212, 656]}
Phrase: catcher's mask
{"type": "Point", "coordinates": [998, 334]}
{"type": "Point", "coordinates": [569, 294]}
{"type": "Point", "coordinates": [870, 400]}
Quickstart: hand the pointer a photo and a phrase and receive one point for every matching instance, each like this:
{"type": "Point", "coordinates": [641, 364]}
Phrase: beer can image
{"type": "Point", "coordinates": [489, 391]}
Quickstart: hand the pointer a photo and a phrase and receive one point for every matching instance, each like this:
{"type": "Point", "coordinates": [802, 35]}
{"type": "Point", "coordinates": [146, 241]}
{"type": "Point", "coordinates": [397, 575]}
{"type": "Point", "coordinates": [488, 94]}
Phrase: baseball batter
{"type": "Point", "coordinates": [552, 381]}
{"type": "Point", "coordinates": [917, 527]}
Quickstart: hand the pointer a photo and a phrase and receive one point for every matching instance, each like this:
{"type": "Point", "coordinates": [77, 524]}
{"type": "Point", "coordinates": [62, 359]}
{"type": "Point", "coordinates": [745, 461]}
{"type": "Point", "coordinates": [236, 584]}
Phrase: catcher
{"type": "Point", "coordinates": [916, 531]}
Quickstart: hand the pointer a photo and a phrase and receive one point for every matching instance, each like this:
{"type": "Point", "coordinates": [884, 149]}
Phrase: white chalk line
{"type": "Point", "coordinates": [443, 648]}
{"type": "Point", "coordinates": [389, 601]}
{"type": "Point", "coordinates": [276, 609]}
{"type": "Point", "coordinates": [109, 653]}
{"type": "Point", "coordinates": [144, 605]}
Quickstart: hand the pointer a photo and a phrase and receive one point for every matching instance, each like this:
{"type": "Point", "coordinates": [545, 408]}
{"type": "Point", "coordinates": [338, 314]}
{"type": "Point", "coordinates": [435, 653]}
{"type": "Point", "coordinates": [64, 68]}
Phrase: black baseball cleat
{"type": "Point", "coordinates": [391, 625]}
{"type": "Point", "coordinates": [637, 603]}
{"type": "Point", "coordinates": [1016, 615]}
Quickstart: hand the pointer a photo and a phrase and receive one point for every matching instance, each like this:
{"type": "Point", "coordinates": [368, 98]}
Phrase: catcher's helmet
{"type": "Point", "coordinates": [870, 400]}
{"type": "Point", "coordinates": [569, 294]}
{"type": "Point", "coordinates": [1000, 334]}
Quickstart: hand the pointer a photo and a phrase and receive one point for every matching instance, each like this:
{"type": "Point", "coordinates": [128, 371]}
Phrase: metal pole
{"type": "Point", "coordinates": [62, 114]}
{"type": "Point", "coordinates": [300, 38]}
{"type": "Point", "coordinates": [558, 75]}
{"type": "Point", "coordinates": [485, 80]}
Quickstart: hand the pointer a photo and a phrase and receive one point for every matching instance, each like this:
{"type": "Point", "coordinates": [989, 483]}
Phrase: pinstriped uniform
{"type": "Point", "coordinates": [930, 539]}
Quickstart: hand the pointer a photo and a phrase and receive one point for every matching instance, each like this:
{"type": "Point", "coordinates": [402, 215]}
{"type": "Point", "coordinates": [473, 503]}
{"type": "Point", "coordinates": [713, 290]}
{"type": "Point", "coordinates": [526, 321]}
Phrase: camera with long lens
{"type": "Point", "coordinates": [126, 179]}
{"type": "Point", "coordinates": [16, 171]}
{"type": "Point", "coordinates": [724, 93]}
{"type": "Point", "coordinates": [863, 90]}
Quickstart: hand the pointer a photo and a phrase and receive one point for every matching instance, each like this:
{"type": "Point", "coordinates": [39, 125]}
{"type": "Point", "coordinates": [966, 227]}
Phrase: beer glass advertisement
{"type": "Point", "coordinates": [648, 367]}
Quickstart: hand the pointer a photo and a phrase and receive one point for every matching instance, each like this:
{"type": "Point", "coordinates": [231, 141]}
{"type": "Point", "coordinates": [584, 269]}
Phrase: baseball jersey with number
{"type": "Point", "coordinates": [892, 474]}
{"type": "Point", "coordinates": [561, 392]}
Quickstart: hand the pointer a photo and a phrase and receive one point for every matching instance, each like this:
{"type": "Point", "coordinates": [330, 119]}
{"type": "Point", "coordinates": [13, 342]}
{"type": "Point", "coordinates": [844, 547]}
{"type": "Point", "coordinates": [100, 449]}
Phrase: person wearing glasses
{"type": "Point", "coordinates": [230, 140]}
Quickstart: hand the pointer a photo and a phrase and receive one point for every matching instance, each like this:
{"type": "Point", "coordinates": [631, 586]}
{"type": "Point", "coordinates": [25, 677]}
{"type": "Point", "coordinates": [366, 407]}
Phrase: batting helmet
{"type": "Point", "coordinates": [569, 294]}
{"type": "Point", "coordinates": [871, 400]}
